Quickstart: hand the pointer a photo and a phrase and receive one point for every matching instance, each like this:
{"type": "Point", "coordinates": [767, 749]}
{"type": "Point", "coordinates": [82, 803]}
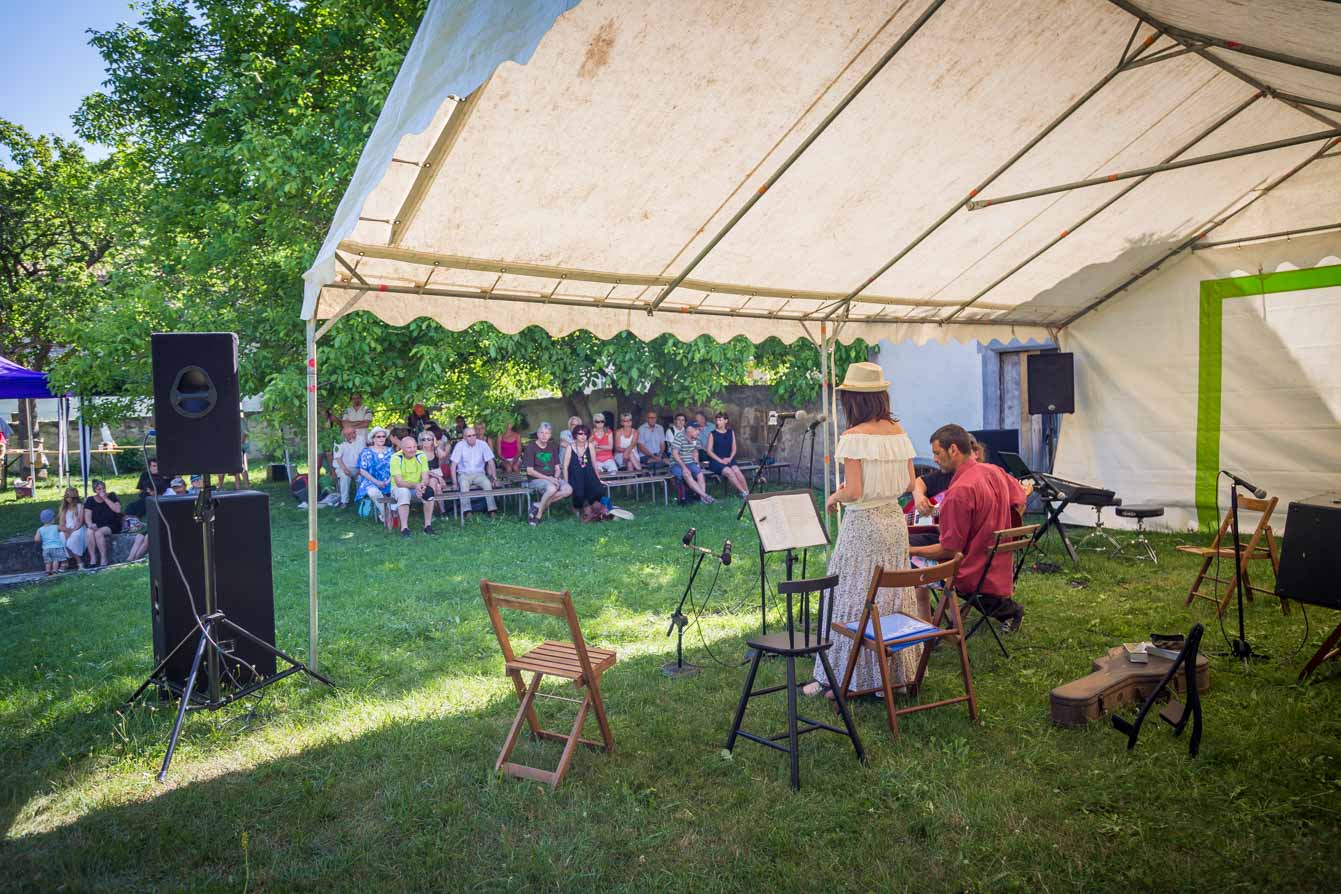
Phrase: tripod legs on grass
{"type": "Point", "coordinates": [186, 700]}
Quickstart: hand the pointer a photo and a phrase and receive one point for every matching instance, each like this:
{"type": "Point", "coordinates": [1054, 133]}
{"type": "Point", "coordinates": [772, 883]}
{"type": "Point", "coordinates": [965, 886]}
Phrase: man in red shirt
{"type": "Point", "coordinates": [978, 503]}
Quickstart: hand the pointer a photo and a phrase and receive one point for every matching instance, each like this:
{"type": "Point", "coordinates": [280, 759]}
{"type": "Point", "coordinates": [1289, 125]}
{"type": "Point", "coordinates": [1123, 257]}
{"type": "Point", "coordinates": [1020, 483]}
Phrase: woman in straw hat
{"type": "Point", "coordinates": [877, 459]}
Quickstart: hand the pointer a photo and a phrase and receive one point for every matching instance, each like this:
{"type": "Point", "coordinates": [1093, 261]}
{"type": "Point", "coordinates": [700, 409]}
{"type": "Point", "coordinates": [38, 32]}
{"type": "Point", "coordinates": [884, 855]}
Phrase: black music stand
{"type": "Point", "coordinates": [786, 521]}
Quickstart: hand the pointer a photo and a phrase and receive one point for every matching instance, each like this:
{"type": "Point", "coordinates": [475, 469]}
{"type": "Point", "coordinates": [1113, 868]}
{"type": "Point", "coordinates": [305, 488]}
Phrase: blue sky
{"type": "Point", "coordinates": [46, 64]}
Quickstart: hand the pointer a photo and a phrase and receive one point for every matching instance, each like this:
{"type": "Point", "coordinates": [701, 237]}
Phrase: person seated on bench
{"type": "Point", "coordinates": [375, 471]}
{"type": "Point", "coordinates": [626, 445]}
{"type": "Point", "coordinates": [978, 503]}
{"type": "Point", "coordinates": [102, 517]}
{"type": "Point", "coordinates": [428, 445]}
{"type": "Point", "coordinates": [540, 459]}
{"type": "Point", "coordinates": [346, 455]}
{"type": "Point", "coordinates": [510, 448]}
{"type": "Point", "coordinates": [651, 443]}
{"type": "Point", "coordinates": [410, 480]}
{"type": "Point", "coordinates": [722, 455]}
{"type": "Point", "coordinates": [579, 470]}
{"type": "Point", "coordinates": [473, 466]}
{"type": "Point", "coordinates": [705, 428]}
{"type": "Point", "coordinates": [684, 460]}
{"type": "Point", "coordinates": [151, 483]}
{"type": "Point", "coordinates": [603, 443]}
{"type": "Point", "coordinates": [566, 436]}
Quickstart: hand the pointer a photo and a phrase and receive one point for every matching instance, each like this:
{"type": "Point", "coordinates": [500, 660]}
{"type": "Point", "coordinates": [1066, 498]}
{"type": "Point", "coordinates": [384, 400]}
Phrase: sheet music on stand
{"type": "Point", "coordinates": [787, 520]}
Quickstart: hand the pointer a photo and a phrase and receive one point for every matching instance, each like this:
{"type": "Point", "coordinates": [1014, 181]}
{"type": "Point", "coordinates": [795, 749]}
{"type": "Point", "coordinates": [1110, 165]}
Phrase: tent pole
{"type": "Point", "coordinates": [1210, 129]}
{"type": "Point", "coordinates": [979, 204]}
{"type": "Point", "coordinates": [1193, 239]}
{"type": "Point", "coordinates": [1055, 123]}
{"type": "Point", "coordinates": [824, 403]}
{"type": "Point", "coordinates": [312, 489]}
{"type": "Point", "coordinates": [1261, 237]}
{"type": "Point", "coordinates": [799, 150]}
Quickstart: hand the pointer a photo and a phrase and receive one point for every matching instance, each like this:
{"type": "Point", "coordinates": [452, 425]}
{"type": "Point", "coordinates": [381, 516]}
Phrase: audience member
{"type": "Point", "coordinates": [566, 436]}
{"type": "Point", "coordinates": [102, 517]}
{"type": "Point", "coordinates": [359, 418]}
{"type": "Point", "coordinates": [70, 519]}
{"type": "Point", "coordinates": [581, 472]}
{"type": "Point", "coordinates": [978, 503]}
{"type": "Point", "coordinates": [410, 479]}
{"type": "Point", "coordinates": [721, 452]}
{"type": "Point", "coordinates": [510, 449]}
{"type": "Point", "coordinates": [139, 546]}
{"type": "Point", "coordinates": [626, 444]}
{"type": "Point", "coordinates": [541, 461]}
{"type": "Point", "coordinates": [375, 471]}
{"type": "Point", "coordinates": [179, 487]}
{"type": "Point", "coordinates": [428, 445]}
{"type": "Point", "coordinates": [603, 443]}
{"type": "Point", "coordinates": [684, 460]}
{"type": "Point", "coordinates": [705, 428]}
{"type": "Point", "coordinates": [473, 466]}
{"type": "Point", "coordinates": [651, 441]}
{"type": "Point", "coordinates": [677, 425]}
{"type": "Point", "coordinates": [53, 544]}
{"type": "Point", "coordinates": [150, 484]}
{"type": "Point", "coordinates": [459, 429]}
{"type": "Point", "coordinates": [418, 420]}
{"type": "Point", "coordinates": [346, 454]}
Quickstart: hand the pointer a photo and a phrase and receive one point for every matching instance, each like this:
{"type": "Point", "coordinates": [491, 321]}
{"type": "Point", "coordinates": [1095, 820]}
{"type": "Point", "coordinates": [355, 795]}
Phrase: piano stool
{"type": "Point", "coordinates": [1140, 541]}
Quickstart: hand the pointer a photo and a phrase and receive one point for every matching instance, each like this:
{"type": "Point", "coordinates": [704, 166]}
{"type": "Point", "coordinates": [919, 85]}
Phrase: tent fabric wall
{"type": "Point", "coordinates": [1142, 370]}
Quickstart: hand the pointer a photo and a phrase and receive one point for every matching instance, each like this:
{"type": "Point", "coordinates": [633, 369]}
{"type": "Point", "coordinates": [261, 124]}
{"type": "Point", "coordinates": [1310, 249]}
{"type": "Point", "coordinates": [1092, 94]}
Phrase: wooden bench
{"type": "Point", "coordinates": [636, 480]}
{"type": "Point", "coordinates": [747, 469]}
{"type": "Point", "coordinates": [459, 496]}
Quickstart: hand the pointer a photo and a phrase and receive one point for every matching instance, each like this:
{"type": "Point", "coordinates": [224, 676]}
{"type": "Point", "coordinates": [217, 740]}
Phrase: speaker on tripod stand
{"type": "Point", "coordinates": [224, 618]}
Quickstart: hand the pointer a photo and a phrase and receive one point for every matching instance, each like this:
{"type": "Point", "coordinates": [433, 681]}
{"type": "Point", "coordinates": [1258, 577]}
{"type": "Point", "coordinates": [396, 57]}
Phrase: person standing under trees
{"type": "Point", "coordinates": [358, 417]}
{"type": "Point", "coordinates": [877, 457]}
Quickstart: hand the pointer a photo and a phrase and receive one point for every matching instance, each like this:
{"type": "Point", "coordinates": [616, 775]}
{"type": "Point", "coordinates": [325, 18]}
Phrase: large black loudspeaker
{"type": "Point", "coordinates": [1052, 383]}
{"type": "Point", "coordinates": [1310, 553]}
{"type": "Point", "coordinates": [197, 408]}
{"type": "Point", "coordinates": [245, 590]}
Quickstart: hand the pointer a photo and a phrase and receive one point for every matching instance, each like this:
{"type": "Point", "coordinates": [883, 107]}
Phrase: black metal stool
{"type": "Point", "coordinates": [1140, 513]}
{"type": "Point", "coordinates": [1099, 532]}
{"type": "Point", "coordinates": [810, 640]}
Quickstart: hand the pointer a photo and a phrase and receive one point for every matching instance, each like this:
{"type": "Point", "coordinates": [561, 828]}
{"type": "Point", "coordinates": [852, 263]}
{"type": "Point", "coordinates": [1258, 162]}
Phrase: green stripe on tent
{"type": "Point", "coordinates": [1210, 365]}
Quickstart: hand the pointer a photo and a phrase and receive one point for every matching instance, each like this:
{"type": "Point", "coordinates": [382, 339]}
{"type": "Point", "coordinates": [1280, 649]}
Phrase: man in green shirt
{"type": "Point", "coordinates": [540, 459]}
{"type": "Point", "coordinates": [409, 479]}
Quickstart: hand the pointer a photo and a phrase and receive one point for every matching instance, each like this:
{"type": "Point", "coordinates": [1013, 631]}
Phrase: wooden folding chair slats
{"type": "Point", "coordinates": [918, 577]}
{"type": "Point", "coordinates": [1259, 546]}
{"type": "Point", "coordinates": [573, 661]}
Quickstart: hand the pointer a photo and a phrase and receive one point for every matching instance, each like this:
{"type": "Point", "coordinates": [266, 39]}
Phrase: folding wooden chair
{"type": "Point", "coordinates": [572, 660]}
{"type": "Point", "coordinates": [1261, 545]}
{"type": "Point", "coordinates": [1005, 541]}
{"type": "Point", "coordinates": [897, 631]}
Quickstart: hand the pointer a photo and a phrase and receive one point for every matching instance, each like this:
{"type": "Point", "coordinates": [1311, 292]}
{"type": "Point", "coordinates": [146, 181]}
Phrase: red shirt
{"type": "Point", "coordinates": [977, 505]}
{"type": "Point", "coordinates": [604, 446]}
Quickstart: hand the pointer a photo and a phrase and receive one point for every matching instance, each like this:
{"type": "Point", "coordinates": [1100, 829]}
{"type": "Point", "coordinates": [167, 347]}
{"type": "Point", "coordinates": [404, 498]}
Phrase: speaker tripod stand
{"type": "Point", "coordinates": [209, 625]}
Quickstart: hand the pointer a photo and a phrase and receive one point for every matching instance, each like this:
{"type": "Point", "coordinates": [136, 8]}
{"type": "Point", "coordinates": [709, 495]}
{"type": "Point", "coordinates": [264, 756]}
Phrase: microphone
{"type": "Point", "coordinates": [818, 422]}
{"type": "Point", "coordinates": [774, 417]}
{"type": "Point", "coordinates": [1258, 492]}
{"type": "Point", "coordinates": [726, 553]}
{"type": "Point", "coordinates": [689, 536]}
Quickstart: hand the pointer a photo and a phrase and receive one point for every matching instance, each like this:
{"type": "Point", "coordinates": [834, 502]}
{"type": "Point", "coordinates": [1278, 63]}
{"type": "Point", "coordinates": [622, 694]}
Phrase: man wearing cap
{"type": "Point", "coordinates": [409, 479]}
{"type": "Point", "coordinates": [540, 459]}
{"type": "Point", "coordinates": [473, 466]}
{"type": "Point", "coordinates": [684, 459]}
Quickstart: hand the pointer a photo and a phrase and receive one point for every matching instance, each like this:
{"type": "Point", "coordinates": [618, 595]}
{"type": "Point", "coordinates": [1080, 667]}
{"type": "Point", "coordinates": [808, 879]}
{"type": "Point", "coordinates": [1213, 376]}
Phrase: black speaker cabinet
{"type": "Point", "coordinates": [1052, 383]}
{"type": "Point", "coordinates": [1310, 552]}
{"type": "Point", "coordinates": [197, 407]}
{"type": "Point", "coordinates": [242, 571]}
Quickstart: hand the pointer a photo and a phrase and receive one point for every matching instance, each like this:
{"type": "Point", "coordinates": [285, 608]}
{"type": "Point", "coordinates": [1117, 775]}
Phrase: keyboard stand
{"type": "Point", "coordinates": [1055, 508]}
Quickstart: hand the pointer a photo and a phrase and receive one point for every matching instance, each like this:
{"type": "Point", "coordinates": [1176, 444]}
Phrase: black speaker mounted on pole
{"type": "Point", "coordinates": [196, 609]}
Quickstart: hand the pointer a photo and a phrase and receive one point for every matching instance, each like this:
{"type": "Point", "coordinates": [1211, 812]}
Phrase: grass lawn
{"type": "Point", "coordinates": [387, 782]}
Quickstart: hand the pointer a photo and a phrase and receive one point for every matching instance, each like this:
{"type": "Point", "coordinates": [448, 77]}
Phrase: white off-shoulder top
{"type": "Point", "coordinates": [884, 465]}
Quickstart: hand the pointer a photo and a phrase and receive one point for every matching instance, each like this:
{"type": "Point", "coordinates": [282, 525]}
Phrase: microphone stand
{"type": "Point", "coordinates": [1239, 648]}
{"type": "Point", "coordinates": [679, 620]}
{"type": "Point", "coordinates": [764, 462]}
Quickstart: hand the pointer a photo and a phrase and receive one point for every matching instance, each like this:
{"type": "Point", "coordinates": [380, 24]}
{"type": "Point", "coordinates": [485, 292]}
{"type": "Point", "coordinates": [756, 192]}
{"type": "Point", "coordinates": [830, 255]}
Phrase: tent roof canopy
{"type": "Point", "coordinates": [20, 382]}
{"type": "Point", "coordinates": [745, 168]}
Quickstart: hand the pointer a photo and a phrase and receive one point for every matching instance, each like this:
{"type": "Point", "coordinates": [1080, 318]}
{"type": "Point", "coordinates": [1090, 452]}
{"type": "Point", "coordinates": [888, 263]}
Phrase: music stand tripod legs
{"type": "Point", "coordinates": [207, 648]}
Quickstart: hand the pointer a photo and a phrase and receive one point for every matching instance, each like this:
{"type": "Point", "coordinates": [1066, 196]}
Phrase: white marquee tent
{"type": "Point", "coordinates": [920, 170]}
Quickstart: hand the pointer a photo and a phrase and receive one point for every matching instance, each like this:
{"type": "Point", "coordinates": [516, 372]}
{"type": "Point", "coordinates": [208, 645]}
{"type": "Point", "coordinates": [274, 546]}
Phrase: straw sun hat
{"type": "Point", "coordinates": [864, 377]}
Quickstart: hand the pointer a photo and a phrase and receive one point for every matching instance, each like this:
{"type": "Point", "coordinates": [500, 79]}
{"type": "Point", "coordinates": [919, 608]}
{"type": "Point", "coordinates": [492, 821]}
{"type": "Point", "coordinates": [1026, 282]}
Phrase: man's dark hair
{"type": "Point", "coordinates": [950, 434]}
{"type": "Point", "coordinates": [864, 406]}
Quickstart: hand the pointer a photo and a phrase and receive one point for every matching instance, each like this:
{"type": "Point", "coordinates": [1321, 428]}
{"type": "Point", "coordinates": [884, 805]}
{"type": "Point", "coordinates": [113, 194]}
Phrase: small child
{"type": "Point", "coordinates": [49, 535]}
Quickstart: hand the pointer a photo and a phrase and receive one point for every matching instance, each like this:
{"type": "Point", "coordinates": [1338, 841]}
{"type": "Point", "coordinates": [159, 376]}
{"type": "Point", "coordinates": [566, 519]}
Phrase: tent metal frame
{"type": "Point", "coordinates": [832, 315]}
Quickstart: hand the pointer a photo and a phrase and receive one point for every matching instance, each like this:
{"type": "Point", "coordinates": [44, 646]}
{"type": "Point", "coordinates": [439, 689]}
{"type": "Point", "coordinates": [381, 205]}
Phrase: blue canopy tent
{"type": "Point", "coordinates": [19, 382]}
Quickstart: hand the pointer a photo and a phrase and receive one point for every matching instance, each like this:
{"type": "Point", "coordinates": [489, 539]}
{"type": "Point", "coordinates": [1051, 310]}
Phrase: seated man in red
{"type": "Point", "coordinates": [981, 500]}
